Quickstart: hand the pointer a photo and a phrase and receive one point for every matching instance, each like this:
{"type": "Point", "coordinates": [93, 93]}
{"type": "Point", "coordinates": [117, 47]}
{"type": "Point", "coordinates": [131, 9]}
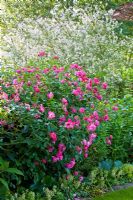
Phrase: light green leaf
{"type": "Point", "coordinates": [14, 171]}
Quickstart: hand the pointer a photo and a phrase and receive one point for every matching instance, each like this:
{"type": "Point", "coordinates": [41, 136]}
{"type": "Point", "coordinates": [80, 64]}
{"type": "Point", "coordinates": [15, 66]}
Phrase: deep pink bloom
{"type": "Point", "coordinates": [43, 161]}
{"type": "Point", "coordinates": [50, 149]}
{"type": "Point", "coordinates": [82, 110]}
{"type": "Point", "coordinates": [85, 155]}
{"type": "Point", "coordinates": [61, 147]}
{"type": "Point", "coordinates": [42, 53]}
{"type": "Point", "coordinates": [53, 136]}
{"type": "Point", "coordinates": [96, 81]}
{"type": "Point", "coordinates": [69, 124]}
{"type": "Point", "coordinates": [91, 127]}
{"type": "Point", "coordinates": [75, 173]}
{"type": "Point", "coordinates": [106, 117]}
{"type": "Point", "coordinates": [54, 159]}
{"type": "Point", "coordinates": [36, 89]}
{"type": "Point", "coordinates": [50, 95]}
{"type": "Point", "coordinates": [71, 164]}
{"type": "Point", "coordinates": [51, 115]}
{"type": "Point", "coordinates": [29, 83]}
{"type": "Point", "coordinates": [104, 85]}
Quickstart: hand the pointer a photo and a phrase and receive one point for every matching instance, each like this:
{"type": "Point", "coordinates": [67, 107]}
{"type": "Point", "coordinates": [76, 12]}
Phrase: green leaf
{"type": "Point", "coordinates": [14, 171]}
{"type": "Point", "coordinates": [4, 183]}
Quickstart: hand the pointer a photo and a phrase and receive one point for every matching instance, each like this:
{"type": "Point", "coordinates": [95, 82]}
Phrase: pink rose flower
{"type": "Point", "coordinates": [53, 136]}
{"type": "Point", "coordinates": [50, 95]}
{"type": "Point", "coordinates": [51, 115]}
{"type": "Point", "coordinates": [91, 127]}
{"type": "Point", "coordinates": [41, 108]}
{"type": "Point", "coordinates": [104, 85]}
{"type": "Point", "coordinates": [82, 110]}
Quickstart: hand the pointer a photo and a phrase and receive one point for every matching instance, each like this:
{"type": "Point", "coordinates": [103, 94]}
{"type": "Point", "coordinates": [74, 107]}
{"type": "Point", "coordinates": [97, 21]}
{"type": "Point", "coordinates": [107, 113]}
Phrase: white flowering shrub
{"type": "Point", "coordinates": [87, 37]}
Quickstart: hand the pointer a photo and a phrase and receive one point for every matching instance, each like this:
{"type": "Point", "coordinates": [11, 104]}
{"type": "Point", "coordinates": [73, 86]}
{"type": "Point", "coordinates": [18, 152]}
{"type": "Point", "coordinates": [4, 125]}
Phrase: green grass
{"type": "Point", "coordinates": [126, 194]}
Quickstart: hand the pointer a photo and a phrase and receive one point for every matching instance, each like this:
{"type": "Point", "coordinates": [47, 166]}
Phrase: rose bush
{"type": "Point", "coordinates": [50, 119]}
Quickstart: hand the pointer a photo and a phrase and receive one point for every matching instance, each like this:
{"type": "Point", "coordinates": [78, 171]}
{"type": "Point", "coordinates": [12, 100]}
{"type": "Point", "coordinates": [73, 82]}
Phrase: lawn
{"type": "Point", "coordinates": [126, 194]}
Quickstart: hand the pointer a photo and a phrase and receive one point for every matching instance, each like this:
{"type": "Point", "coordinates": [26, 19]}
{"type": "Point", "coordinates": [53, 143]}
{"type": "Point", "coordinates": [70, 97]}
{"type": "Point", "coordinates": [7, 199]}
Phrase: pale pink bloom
{"type": "Point", "coordinates": [95, 115]}
{"type": "Point", "coordinates": [106, 117]}
{"type": "Point", "coordinates": [51, 115]}
{"type": "Point", "coordinates": [82, 110]}
{"type": "Point", "coordinates": [64, 101]}
{"type": "Point", "coordinates": [92, 137]}
{"type": "Point", "coordinates": [73, 110]}
{"type": "Point", "coordinates": [108, 141]}
{"type": "Point", "coordinates": [79, 149]}
{"type": "Point", "coordinates": [37, 116]}
{"type": "Point", "coordinates": [3, 122]}
{"type": "Point", "coordinates": [104, 85]}
{"type": "Point", "coordinates": [16, 98]}
{"type": "Point", "coordinates": [85, 155]}
{"type": "Point", "coordinates": [63, 81]}
{"type": "Point", "coordinates": [69, 124]}
{"type": "Point", "coordinates": [41, 108]}
{"type": "Point", "coordinates": [96, 81]}
{"type": "Point", "coordinates": [4, 96]}
{"type": "Point", "coordinates": [92, 106]}
{"type": "Point", "coordinates": [81, 178]}
{"type": "Point", "coordinates": [50, 95]}
{"type": "Point", "coordinates": [27, 106]}
{"type": "Point", "coordinates": [115, 108]}
{"type": "Point", "coordinates": [53, 136]}
{"type": "Point", "coordinates": [15, 81]}
{"type": "Point", "coordinates": [91, 127]}
{"type": "Point", "coordinates": [97, 123]}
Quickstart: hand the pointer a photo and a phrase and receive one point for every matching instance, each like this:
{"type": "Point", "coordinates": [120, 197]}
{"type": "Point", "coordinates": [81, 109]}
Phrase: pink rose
{"type": "Point", "coordinates": [51, 115]}
{"type": "Point", "coordinates": [50, 95]}
{"type": "Point", "coordinates": [53, 137]}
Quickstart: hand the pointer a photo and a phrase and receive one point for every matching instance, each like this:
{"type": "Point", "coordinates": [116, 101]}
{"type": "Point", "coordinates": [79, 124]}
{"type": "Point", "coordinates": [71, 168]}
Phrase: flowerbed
{"type": "Point", "coordinates": [50, 120]}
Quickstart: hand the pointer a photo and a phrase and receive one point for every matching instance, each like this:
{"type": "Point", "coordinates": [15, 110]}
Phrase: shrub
{"type": "Point", "coordinates": [50, 119]}
{"type": "Point", "coordinates": [84, 36]}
